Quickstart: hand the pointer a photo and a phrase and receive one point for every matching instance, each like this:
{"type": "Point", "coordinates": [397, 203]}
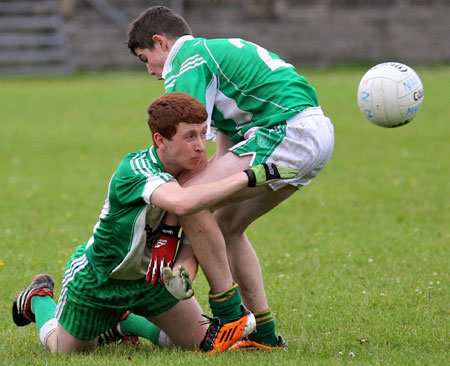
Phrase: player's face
{"type": "Point", "coordinates": [153, 59]}
{"type": "Point", "coordinates": [187, 148]}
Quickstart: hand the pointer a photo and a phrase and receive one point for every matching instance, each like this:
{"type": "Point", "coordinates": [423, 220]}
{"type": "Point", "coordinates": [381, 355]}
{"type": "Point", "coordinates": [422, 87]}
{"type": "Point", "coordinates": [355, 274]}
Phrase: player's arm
{"type": "Point", "coordinates": [188, 200]}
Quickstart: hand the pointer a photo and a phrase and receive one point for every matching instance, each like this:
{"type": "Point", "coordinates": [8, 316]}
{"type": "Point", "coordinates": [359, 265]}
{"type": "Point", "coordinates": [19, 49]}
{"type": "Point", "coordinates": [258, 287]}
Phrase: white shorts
{"type": "Point", "coordinates": [304, 142]}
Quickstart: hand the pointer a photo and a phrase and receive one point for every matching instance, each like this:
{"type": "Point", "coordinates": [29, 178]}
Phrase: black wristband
{"type": "Point", "coordinates": [251, 177]}
{"type": "Point", "coordinates": [171, 231]}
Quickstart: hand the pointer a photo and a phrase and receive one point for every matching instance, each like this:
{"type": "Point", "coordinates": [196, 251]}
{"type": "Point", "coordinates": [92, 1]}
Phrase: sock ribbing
{"type": "Point", "coordinates": [265, 328]}
{"type": "Point", "coordinates": [226, 305]}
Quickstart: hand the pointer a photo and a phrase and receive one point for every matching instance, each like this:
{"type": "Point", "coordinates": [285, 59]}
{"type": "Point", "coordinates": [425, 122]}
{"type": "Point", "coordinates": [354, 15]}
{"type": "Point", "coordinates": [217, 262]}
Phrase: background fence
{"type": "Point", "coordinates": [60, 36]}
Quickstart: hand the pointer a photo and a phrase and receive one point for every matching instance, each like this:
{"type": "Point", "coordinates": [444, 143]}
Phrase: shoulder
{"type": "Point", "coordinates": [191, 47]}
{"type": "Point", "coordinates": [141, 164]}
{"type": "Point", "coordinates": [205, 46]}
{"type": "Point", "coordinates": [219, 49]}
{"type": "Point", "coordinates": [197, 51]}
{"type": "Point", "coordinates": [132, 162]}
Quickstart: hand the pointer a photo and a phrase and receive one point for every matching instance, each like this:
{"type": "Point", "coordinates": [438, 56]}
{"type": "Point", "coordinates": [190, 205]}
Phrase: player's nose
{"type": "Point", "coordinates": [149, 69]}
{"type": "Point", "coordinates": [201, 144]}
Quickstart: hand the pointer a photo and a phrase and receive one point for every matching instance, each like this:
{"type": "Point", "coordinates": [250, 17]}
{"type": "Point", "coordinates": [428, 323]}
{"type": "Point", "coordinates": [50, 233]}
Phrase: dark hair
{"type": "Point", "coordinates": [156, 20]}
{"type": "Point", "coordinates": [168, 111]}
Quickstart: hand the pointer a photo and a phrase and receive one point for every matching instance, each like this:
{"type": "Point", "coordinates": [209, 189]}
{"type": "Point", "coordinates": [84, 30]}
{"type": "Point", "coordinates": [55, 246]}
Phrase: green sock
{"type": "Point", "coordinates": [43, 308]}
{"type": "Point", "coordinates": [141, 327]}
{"type": "Point", "coordinates": [226, 305]}
{"type": "Point", "coordinates": [265, 329]}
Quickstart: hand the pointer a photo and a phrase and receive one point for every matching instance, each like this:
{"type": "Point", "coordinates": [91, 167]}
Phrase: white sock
{"type": "Point", "coordinates": [48, 328]}
{"type": "Point", "coordinates": [164, 340]}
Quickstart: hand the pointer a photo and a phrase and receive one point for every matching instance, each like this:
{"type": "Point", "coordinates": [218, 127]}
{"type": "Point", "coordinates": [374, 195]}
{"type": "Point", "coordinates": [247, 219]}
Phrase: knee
{"type": "Point", "coordinates": [230, 225]}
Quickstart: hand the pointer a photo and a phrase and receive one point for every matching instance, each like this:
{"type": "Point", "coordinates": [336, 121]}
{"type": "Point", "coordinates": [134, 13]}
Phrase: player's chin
{"type": "Point", "coordinates": [195, 163]}
{"type": "Point", "coordinates": [191, 164]}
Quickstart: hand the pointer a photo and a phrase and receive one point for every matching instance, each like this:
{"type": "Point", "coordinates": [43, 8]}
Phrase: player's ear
{"type": "Point", "coordinates": [160, 40]}
{"type": "Point", "coordinates": [159, 140]}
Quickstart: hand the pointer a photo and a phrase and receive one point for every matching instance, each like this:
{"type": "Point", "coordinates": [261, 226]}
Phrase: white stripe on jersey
{"type": "Point", "coordinates": [175, 48]}
{"type": "Point", "coordinates": [172, 82]}
{"type": "Point", "coordinates": [186, 63]}
{"type": "Point", "coordinates": [91, 239]}
{"type": "Point", "coordinates": [210, 96]}
{"type": "Point", "coordinates": [105, 210]}
{"type": "Point", "coordinates": [61, 302]}
{"type": "Point", "coordinates": [237, 42]}
{"type": "Point", "coordinates": [138, 165]}
{"type": "Point", "coordinates": [240, 90]}
{"type": "Point", "coordinates": [161, 174]}
{"type": "Point", "coordinates": [106, 206]}
{"type": "Point", "coordinates": [76, 266]}
{"type": "Point", "coordinates": [230, 109]}
{"type": "Point", "coordinates": [152, 156]}
{"type": "Point", "coordinates": [147, 169]}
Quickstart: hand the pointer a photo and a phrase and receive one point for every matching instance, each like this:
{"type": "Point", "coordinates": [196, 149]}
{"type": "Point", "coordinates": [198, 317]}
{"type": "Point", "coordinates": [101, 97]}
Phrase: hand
{"type": "Point", "coordinates": [163, 253]}
{"type": "Point", "coordinates": [268, 172]}
{"type": "Point", "coordinates": [179, 285]}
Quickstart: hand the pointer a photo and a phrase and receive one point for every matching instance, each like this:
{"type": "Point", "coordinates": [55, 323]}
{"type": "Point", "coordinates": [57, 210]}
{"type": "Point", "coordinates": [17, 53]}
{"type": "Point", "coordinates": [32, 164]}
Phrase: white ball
{"type": "Point", "coordinates": [390, 94]}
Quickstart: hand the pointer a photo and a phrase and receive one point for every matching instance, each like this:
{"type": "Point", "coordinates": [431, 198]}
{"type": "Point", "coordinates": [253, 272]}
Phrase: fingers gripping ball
{"type": "Point", "coordinates": [179, 285]}
{"type": "Point", "coordinates": [268, 172]}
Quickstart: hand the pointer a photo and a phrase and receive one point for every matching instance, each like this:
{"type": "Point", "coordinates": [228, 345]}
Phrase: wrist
{"type": "Point", "coordinates": [251, 177]}
{"type": "Point", "coordinates": [170, 230]}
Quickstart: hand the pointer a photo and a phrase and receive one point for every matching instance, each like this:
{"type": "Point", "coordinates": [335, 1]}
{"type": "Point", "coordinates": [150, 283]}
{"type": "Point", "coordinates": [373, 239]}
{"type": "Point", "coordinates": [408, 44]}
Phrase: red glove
{"type": "Point", "coordinates": [163, 253]}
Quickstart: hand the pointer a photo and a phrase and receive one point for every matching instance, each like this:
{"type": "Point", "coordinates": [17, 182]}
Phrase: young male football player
{"type": "Point", "coordinates": [106, 276]}
{"type": "Point", "coordinates": [261, 110]}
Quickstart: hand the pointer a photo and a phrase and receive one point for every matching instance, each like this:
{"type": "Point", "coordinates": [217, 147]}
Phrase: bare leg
{"type": "Point", "coordinates": [186, 258]}
{"type": "Point", "coordinates": [182, 323]}
{"type": "Point", "coordinates": [61, 341]}
{"type": "Point", "coordinates": [205, 235]}
{"type": "Point", "coordinates": [234, 220]}
{"type": "Point", "coordinates": [244, 263]}
{"type": "Point", "coordinates": [209, 248]}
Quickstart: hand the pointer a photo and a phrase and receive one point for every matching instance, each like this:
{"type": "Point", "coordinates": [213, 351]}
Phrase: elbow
{"type": "Point", "coordinates": [181, 211]}
{"type": "Point", "coordinates": [186, 210]}
{"type": "Point", "coordinates": [183, 208]}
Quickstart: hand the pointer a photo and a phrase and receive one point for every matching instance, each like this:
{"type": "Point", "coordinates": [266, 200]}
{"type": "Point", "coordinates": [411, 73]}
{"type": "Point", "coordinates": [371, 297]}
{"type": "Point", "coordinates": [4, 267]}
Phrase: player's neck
{"type": "Point", "coordinates": [170, 167]}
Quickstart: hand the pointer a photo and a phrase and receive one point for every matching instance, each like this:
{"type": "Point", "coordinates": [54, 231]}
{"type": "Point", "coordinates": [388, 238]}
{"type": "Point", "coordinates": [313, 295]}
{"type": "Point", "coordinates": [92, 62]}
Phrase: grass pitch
{"type": "Point", "coordinates": [356, 265]}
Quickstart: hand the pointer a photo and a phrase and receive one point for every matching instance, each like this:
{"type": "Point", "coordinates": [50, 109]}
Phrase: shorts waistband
{"type": "Point", "coordinates": [311, 111]}
{"type": "Point", "coordinates": [308, 112]}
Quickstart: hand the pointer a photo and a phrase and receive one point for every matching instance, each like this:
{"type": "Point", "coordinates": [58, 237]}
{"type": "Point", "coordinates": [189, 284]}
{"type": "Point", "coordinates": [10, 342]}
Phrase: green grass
{"type": "Point", "coordinates": [360, 254]}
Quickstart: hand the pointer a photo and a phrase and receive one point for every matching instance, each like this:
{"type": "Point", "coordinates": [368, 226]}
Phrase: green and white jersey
{"type": "Point", "coordinates": [241, 84]}
{"type": "Point", "coordinates": [120, 247]}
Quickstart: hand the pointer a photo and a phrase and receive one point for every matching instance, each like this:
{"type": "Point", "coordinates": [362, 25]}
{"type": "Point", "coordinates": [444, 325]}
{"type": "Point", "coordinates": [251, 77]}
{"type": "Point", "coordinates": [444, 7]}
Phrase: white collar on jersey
{"type": "Point", "coordinates": [174, 50]}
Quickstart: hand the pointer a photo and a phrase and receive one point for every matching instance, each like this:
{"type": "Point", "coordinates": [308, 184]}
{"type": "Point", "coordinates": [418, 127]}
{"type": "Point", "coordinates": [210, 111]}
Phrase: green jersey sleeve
{"type": "Point", "coordinates": [135, 180]}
